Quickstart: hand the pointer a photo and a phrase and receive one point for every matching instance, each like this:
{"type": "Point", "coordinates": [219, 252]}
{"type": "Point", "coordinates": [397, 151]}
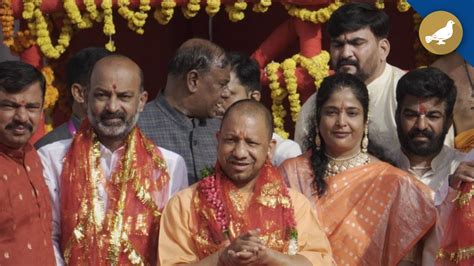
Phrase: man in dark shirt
{"type": "Point", "coordinates": [180, 118]}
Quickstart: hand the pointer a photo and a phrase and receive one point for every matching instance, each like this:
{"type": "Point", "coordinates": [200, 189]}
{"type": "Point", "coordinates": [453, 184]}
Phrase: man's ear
{"type": "Point", "coordinates": [271, 149]}
{"type": "Point", "coordinates": [192, 80]}
{"type": "Point", "coordinates": [256, 95]}
{"type": "Point", "coordinates": [78, 93]}
{"type": "Point", "coordinates": [142, 100]}
{"type": "Point", "coordinates": [384, 48]}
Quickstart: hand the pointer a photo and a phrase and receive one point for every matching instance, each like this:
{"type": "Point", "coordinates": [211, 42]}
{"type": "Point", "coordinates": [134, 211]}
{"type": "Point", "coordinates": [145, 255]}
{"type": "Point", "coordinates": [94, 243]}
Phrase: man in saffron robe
{"type": "Point", "coordinates": [25, 206]}
{"type": "Point", "coordinates": [114, 181]}
{"type": "Point", "coordinates": [243, 214]}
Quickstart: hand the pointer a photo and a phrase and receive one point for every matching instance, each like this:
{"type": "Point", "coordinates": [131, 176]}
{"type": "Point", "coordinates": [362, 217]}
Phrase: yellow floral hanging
{"type": "Point", "coordinates": [164, 14]}
{"type": "Point", "coordinates": [191, 9]}
{"type": "Point", "coordinates": [262, 6]}
{"type": "Point", "coordinates": [236, 11]}
{"type": "Point", "coordinates": [38, 24]}
{"type": "Point", "coordinates": [109, 27]}
{"type": "Point", "coordinates": [289, 72]}
{"type": "Point", "coordinates": [50, 98]}
{"type": "Point", "coordinates": [403, 5]}
{"type": "Point", "coordinates": [317, 16]}
{"type": "Point", "coordinates": [379, 4]}
{"type": "Point", "coordinates": [213, 7]}
{"type": "Point", "coordinates": [82, 22]}
{"type": "Point", "coordinates": [136, 20]}
{"type": "Point", "coordinates": [277, 94]}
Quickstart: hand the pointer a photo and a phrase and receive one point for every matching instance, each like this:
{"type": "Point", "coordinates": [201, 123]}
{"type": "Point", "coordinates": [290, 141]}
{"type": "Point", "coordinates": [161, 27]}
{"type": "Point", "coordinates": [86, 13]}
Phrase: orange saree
{"type": "Point", "coordinates": [372, 214]}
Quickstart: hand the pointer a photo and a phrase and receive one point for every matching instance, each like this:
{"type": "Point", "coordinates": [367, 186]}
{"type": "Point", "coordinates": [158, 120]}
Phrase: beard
{"type": "Point", "coordinates": [432, 146]}
{"type": "Point", "coordinates": [112, 129]}
{"type": "Point", "coordinates": [360, 73]}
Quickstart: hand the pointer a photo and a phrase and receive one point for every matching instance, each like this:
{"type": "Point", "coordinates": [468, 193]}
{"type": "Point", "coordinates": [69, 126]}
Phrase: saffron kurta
{"type": "Point", "coordinates": [372, 214]}
{"type": "Point", "coordinates": [25, 210]}
{"type": "Point", "coordinates": [178, 226]}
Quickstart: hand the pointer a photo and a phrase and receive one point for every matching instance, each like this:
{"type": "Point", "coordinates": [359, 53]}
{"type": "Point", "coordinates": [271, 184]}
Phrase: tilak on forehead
{"type": "Point", "coordinates": [114, 86]}
{"type": "Point", "coordinates": [421, 106]}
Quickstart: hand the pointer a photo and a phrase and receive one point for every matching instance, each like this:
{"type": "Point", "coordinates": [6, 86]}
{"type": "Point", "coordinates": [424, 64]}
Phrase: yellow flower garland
{"type": "Point", "coordinates": [39, 25]}
{"type": "Point", "coordinates": [164, 14]}
{"type": "Point", "coordinates": [262, 6]}
{"type": "Point", "coordinates": [317, 67]}
{"type": "Point", "coordinates": [317, 16]}
{"type": "Point", "coordinates": [191, 9]}
{"type": "Point", "coordinates": [213, 7]}
{"type": "Point", "coordinates": [82, 22]}
{"type": "Point", "coordinates": [51, 97]}
{"type": "Point", "coordinates": [236, 11]}
{"type": "Point", "coordinates": [136, 20]}
{"type": "Point", "coordinates": [109, 27]}
{"type": "Point", "coordinates": [289, 72]}
{"type": "Point", "coordinates": [277, 95]}
{"type": "Point", "coordinates": [379, 4]}
{"type": "Point", "coordinates": [403, 5]}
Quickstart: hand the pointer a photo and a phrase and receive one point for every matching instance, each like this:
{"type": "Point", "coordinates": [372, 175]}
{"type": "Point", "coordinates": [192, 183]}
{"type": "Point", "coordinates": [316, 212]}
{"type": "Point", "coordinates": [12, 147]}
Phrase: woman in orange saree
{"type": "Point", "coordinates": [372, 212]}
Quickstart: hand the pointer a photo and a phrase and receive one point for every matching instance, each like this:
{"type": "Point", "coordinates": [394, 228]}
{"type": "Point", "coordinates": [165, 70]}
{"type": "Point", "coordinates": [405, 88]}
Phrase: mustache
{"type": "Point", "coordinates": [108, 115]}
{"type": "Point", "coordinates": [346, 61]}
{"type": "Point", "coordinates": [425, 133]}
{"type": "Point", "coordinates": [16, 124]}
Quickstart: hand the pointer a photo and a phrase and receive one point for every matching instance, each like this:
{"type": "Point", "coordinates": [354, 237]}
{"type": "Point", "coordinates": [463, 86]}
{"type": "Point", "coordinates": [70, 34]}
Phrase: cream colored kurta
{"type": "Point", "coordinates": [178, 224]}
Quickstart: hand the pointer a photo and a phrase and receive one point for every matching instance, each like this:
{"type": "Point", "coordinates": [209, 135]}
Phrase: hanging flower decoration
{"type": "Point", "coordinates": [136, 20]}
{"type": "Point", "coordinates": [164, 13]}
{"type": "Point", "coordinates": [191, 9]}
{"type": "Point", "coordinates": [8, 22]}
{"type": "Point", "coordinates": [50, 98]}
{"type": "Point", "coordinates": [213, 7]}
{"type": "Point", "coordinates": [236, 11]}
{"type": "Point", "coordinates": [379, 4]}
{"type": "Point", "coordinates": [81, 22]}
{"type": "Point", "coordinates": [403, 5]}
{"type": "Point", "coordinates": [109, 27]}
{"type": "Point", "coordinates": [262, 6]}
{"type": "Point", "coordinates": [317, 16]}
{"type": "Point", "coordinates": [317, 67]}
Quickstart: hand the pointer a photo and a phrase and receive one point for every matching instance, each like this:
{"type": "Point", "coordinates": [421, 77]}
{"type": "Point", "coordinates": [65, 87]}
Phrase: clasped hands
{"type": "Point", "coordinates": [247, 249]}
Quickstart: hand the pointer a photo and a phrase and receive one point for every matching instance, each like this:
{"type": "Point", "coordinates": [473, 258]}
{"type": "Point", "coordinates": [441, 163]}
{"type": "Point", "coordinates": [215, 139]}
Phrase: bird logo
{"type": "Point", "coordinates": [442, 34]}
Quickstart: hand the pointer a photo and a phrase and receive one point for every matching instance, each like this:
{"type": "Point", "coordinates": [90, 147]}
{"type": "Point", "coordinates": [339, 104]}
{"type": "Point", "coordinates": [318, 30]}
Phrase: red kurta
{"type": "Point", "coordinates": [25, 210]}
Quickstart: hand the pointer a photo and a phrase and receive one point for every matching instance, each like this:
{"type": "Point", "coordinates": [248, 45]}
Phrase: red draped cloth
{"type": "Point", "coordinates": [128, 232]}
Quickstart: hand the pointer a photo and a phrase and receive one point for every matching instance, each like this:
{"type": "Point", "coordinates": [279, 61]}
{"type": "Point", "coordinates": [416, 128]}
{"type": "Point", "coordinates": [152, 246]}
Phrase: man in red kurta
{"type": "Point", "coordinates": [25, 216]}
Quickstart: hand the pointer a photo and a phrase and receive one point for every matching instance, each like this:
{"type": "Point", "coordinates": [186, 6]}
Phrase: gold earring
{"type": "Point", "coordinates": [317, 141]}
{"type": "Point", "coordinates": [365, 140]}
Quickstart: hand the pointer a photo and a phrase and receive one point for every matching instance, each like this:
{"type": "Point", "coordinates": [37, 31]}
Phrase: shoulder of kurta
{"type": "Point", "coordinates": [181, 200]}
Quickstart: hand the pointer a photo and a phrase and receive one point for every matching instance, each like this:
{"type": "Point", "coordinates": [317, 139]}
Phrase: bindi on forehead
{"type": "Point", "coordinates": [114, 87]}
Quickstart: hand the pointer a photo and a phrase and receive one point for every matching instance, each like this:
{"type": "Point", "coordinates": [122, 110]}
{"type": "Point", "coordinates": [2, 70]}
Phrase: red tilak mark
{"type": "Point", "coordinates": [23, 103]}
{"type": "Point", "coordinates": [421, 107]}
{"type": "Point", "coordinates": [114, 86]}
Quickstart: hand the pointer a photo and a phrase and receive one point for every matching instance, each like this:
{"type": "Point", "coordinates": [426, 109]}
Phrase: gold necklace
{"type": "Point", "coordinates": [337, 165]}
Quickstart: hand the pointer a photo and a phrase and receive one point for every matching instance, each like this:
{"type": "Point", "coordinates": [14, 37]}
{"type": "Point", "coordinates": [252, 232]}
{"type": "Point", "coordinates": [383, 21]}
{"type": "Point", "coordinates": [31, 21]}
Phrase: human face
{"type": "Point", "coordinates": [422, 125]}
{"type": "Point", "coordinates": [115, 99]}
{"type": "Point", "coordinates": [213, 90]}
{"type": "Point", "coordinates": [237, 92]}
{"type": "Point", "coordinates": [359, 53]}
{"type": "Point", "coordinates": [342, 124]}
{"type": "Point", "coordinates": [20, 114]}
{"type": "Point", "coordinates": [243, 147]}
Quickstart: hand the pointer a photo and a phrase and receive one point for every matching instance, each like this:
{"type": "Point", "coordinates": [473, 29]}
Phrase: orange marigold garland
{"type": "Point", "coordinates": [164, 13]}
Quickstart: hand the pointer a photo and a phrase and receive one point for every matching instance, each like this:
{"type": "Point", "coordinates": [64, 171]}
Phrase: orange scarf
{"type": "Point", "coordinates": [128, 231]}
{"type": "Point", "coordinates": [222, 218]}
